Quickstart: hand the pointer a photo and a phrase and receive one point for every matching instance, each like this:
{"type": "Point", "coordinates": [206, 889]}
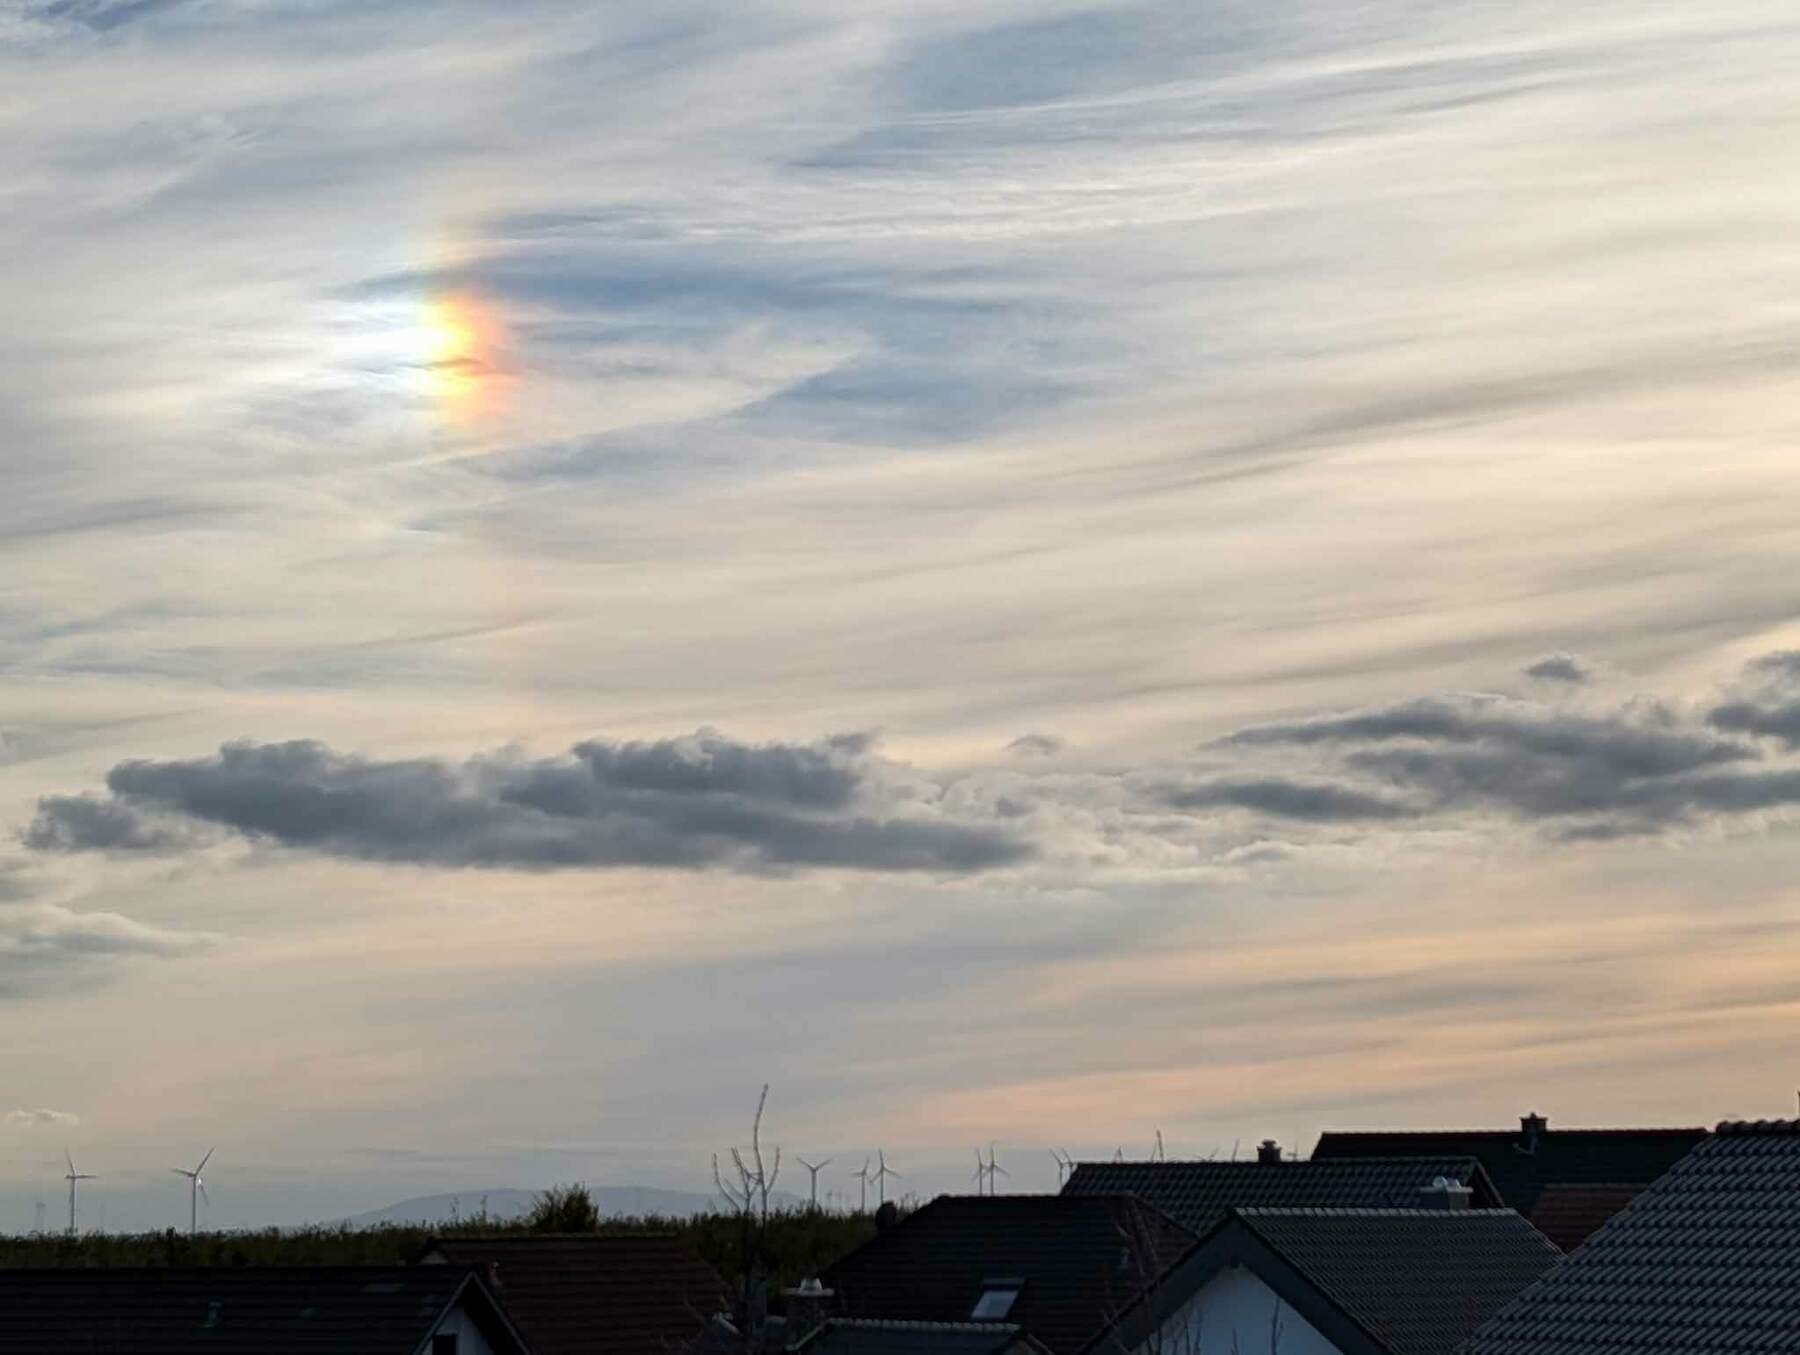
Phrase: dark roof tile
{"type": "Point", "coordinates": [1569, 1214]}
{"type": "Point", "coordinates": [1082, 1259]}
{"type": "Point", "coordinates": [1419, 1281]}
{"type": "Point", "coordinates": [1702, 1262]}
{"type": "Point", "coordinates": [595, 1293]}
{"type": "Point", "coordinates": [1521, 1170]}
{"type": "Point", "coordinates": [1199, 1194]}
{"type": "Point", "coordinates": [849, 1336]}
{"type": "Point", "coordinates": [313, 1310]}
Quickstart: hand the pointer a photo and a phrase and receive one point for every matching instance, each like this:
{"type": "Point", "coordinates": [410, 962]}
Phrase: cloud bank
{"type": "Point", "coordinates": [1477, 761]}
{"type": "Point", "coordinates": [693, 802]}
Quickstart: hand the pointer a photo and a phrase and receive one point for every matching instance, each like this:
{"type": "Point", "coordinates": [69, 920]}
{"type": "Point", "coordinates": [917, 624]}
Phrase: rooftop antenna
{"type": "Point", "coordinates": [1065, 1165]}
{"type": "Point", "coordinates": [197, 1188]}
{"type": "Point", "coordinates": [993, 1169]}
{"type": "Point", "coordinates": [72, 1177]}
{"type": "Point", "coordinates": [862, 1205]}
{"type": "Point", "coordinates": [882, 1173]}
{"type": "Point", "coordinates": [813, 1169]}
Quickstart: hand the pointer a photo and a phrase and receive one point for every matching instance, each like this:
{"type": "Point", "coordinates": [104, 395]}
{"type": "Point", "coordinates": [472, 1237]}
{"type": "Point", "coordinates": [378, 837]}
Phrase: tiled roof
{"type": "Point", "coordinates": [1082, 1260]}
{"type": "Point", "coordinates": [1569, 1214]}
{"type": "Point", "coordinates": [315, 1310]}
{"type": "Point", "coordinates": [595, 1293]}
{"type": "Point", "coordinates": [1520, 1172]}
{"type": "Point", "coordinates": [1706, 1261]}
{"type": "Point", "coordinates": [1198, 1194]}
{"type": "Point", "coordinates": [1419, 1281]}
{"type": "Point", "coordinates": [847, 1336]}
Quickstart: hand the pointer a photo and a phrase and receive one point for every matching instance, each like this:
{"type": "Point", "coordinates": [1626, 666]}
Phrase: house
{"type": "Point", "coordinates": [1198, 1195]}
{"type": "Point", "coordinates": [312, 1310]}
{"type": "Point", "coordinates": [849, 1336]}
{"type": "Point", "coordinates": [1061, 1268]}
{"type": "Point", "coordinates": [1338, 1282]}
{"type": "Point", "coordinates": [593, 1293]}
{"type": "Point", "coordinates": [1527, 1165]}
{"type": "Point", "coordinates": [1706, 1260]}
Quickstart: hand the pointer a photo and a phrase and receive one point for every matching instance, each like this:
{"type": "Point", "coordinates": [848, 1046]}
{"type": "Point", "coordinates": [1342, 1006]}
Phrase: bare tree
{"type": "Point", "coordinates": [747, 1191]}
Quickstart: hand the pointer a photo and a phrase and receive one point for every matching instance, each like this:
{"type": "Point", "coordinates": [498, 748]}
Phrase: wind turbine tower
{"type": "Point", "coordinates": [994, 1169]}
{"type": "Point", "coordinates": [72, 1177]}
{"type": "Point", "coordinates": [196, 1189]}
{"type": "Point", "coordinates": [881, 1175]}
{"type": "Point", "coordinates": [813, 1169]}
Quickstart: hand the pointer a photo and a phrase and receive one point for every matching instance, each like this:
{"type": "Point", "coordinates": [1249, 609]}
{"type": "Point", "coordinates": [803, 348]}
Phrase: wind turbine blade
{"type": "Point", "coordinates": [70, 1161]}
{"type": "Point", "coordinates": [181, 1171]}
{"type": "Point", "coordinates": [206, 1159]}
{"type": "Point", "coordinates": [203, 1194]}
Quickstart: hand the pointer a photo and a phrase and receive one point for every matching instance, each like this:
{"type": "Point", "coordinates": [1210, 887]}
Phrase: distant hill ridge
{"type": "Point", "coordinates": [504, 1204]}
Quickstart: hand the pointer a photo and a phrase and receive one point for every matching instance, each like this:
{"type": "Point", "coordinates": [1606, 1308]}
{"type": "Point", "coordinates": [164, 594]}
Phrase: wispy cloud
{"type": "Point", "coordinates": [40, 1118]}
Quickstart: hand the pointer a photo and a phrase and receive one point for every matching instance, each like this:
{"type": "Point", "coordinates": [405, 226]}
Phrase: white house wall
{"type": "Point", "coordinates": [1231, 1315]}
{"type": "Point", "coordinates": [469, 1340]}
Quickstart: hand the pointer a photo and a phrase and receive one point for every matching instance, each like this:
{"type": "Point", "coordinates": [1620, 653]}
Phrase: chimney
{"type": "Point", "coordinates": [1443, 1193]}
{"type": "Point", "coordinates": [1268, 1151]}
{"type": "Point", "coordinates": [1531, 1130]}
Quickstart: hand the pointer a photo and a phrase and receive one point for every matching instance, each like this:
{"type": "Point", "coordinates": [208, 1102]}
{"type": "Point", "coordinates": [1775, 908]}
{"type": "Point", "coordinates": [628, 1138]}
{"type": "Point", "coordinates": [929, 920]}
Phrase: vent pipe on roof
{"type": "Point", "coordinates": [1531, 1131]}
{"type": "Point", "coordinates": [1443, 1193]}
{"type": "Point", "coordinates": [1268, 1151]}
{"type": "Point", "coordinates": [807, 1305]}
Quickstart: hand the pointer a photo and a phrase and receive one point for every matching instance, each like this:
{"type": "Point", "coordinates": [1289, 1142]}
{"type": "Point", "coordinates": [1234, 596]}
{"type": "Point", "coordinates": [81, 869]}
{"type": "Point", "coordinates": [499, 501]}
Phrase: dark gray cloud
{"type": "Point", "coordinates": [692, 802]}
{"type": "Point", "coordinates": [705, 801]}
{"type": "Point", "coordinates": [92, 823]}
{"type": "Point", "coordinates": [1632, 770]}
{"type": "Point", "coordinates": [1559, 667]}
{"type": "Point", "coordinates": [1286, 798]}
{"type": "Point", "coordinates": [1770, 704]}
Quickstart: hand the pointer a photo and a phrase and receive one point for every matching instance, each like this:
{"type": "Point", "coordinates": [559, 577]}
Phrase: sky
{"type": "Point", "coordinates": [1023, 573]}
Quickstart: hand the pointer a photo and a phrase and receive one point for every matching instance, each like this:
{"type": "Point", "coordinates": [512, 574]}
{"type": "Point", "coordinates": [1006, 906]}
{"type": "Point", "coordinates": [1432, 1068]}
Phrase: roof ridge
{"type": "Point", "coordinates": [1285, 1162]}
{"type": "Point", "coordinates": [920, 1324]}
{"type": "Point", "coordinates": [1371, 1211]}
{"type": "Point", "coordinates": [1758, 1127]}
{"type": "Point", "coordinates": [1550, 1130]}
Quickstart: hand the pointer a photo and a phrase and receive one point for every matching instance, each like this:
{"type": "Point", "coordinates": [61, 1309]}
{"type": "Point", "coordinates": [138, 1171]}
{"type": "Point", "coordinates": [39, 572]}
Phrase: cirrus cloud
{"type": "Point", "coordinates": [40, 1118]}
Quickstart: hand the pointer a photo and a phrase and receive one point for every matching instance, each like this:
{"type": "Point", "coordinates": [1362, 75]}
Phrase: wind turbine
{"type": "Point", "coordinates": [1065, 1165]}
{"type": "Point", "coordinates": [196, 1188]}
{"type": "Point", "coordinates": [993, 1169]}
{"type": "Point", "coordinates": [881, 1176]}
{"type": "Point", "coordinates": [813, 1169]}
{"type": "Point", "coordinates": [980, 1172]}
{"type": "Point", "coordinates": [1159, 1155]}
{"type": "Point", "coordinates": [862, 1206]}
{"type": "Point", "coordinates": [72, 1177]}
